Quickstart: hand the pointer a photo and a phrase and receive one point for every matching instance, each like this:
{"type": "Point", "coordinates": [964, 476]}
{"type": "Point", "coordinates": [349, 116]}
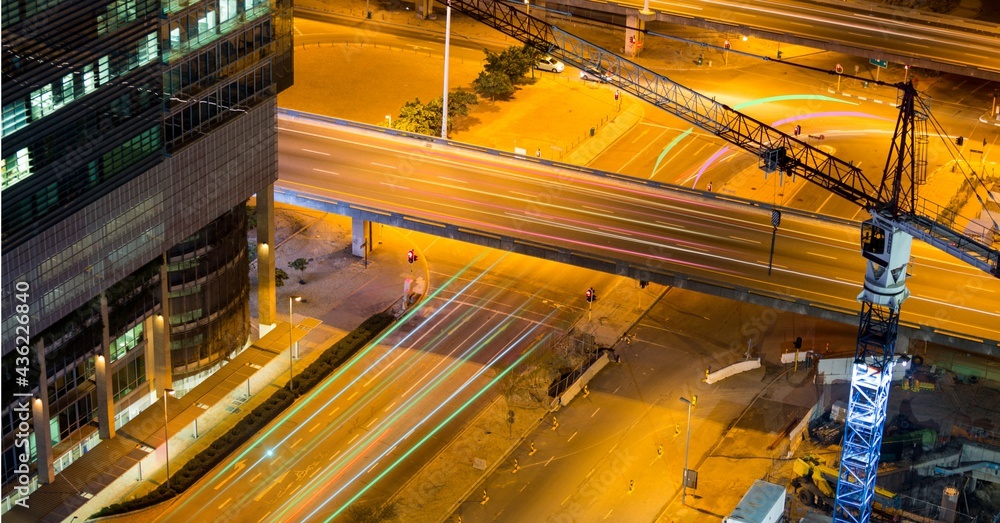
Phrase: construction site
{"type": "Point", "coordinates": [939, 458]}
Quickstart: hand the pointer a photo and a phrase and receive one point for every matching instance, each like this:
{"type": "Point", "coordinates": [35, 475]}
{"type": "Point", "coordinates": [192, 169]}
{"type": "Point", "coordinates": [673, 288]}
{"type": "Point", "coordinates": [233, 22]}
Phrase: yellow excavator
{"type": "Point", "coordinates": [815, 485]}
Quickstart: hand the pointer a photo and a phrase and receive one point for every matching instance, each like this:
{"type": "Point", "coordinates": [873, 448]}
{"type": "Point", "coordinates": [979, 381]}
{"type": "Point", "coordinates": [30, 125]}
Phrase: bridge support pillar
{"type": "Point", "coordinates": [361, 237]}
{"type": "Point", "coordinates": [635, 31]}
{"type": "Point", "coordinates": [425, 8]}
{"type": "Point", "coordinates": [267, 308]}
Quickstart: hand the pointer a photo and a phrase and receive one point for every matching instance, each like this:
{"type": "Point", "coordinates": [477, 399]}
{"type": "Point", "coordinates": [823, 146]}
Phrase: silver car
{"type": "Point", "coordinates": [594, 74]}
{"type": "Point", "coordinates": [547, 63]}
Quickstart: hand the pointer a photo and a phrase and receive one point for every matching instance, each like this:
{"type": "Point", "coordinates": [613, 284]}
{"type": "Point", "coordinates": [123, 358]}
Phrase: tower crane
{"type": "Point", "coordinates": [897, 216]}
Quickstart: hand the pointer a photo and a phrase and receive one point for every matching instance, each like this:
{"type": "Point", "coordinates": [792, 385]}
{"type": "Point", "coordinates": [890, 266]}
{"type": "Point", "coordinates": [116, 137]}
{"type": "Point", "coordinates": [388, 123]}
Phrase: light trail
{"type": "Point", "coordinates": [447, 420]}
{"type": "Point", "coordinates": [339, 372]}
{"type": "Point", "coordinates": [441, 378]}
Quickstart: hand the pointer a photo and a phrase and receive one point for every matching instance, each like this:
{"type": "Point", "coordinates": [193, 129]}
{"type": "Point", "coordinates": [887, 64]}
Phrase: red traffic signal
{"type": "Point", "coordinates": [411, 256]}
{"type": "Point", "coordinates": [590, 294]}
{"type": "Point", "coordinates": [726, 44]}
{"type": "Point", "coordinates": [840, 69]}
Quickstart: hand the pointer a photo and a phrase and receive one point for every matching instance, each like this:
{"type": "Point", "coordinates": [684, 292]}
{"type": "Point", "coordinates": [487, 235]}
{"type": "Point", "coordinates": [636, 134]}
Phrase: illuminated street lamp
{"type": "Point", "coordinates": [684, 480]}
{"type": "Point", "coordinates": [291, 385]}
{"type": "Point", "coordinates": [388, 118]}
{"type": "Point", "coordinates": [527, 7]}
{"type": "Point", "coordinates": [166, 434]}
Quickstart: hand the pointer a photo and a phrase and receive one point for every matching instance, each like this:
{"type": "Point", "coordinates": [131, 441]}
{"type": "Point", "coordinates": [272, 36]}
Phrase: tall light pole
{"type": "Point", "coordinates": [166, 433]}
{"type": "Point", "coordinates": [291, 385]}
{"type": "Point", "coordinates": [388, 118]}
{"type": "Point", "coordinates": [687, 445]}
{"type": "Point", "coordinates": [447, 48]}
{"type": "Point", "coordinates": [527, 7]}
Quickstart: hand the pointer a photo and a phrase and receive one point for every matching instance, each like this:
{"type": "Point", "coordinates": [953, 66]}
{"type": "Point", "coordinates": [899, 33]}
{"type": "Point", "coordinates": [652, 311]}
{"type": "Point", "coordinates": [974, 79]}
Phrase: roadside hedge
{"type": "Point", "coordinates": [258, 418]}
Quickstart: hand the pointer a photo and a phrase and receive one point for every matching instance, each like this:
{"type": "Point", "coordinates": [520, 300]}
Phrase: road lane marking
{"type": "Point", "coordinates": [335, 454]}
{"type": "Point", "coordinates": [327, 172]}
{"type": "Point", "coordinates": [355, 393]}
{"type": "Point", "coordinates": [316, 152]}
{"type": "Point", "coordinates": [335, 409]}
{"type": "Point", "coordinates": [595, 412]}
{"type": "Point", "coordinates": [453, 179]}
{"type": "Point", "coordinates": [384, 165]}
{"type": "Point", "coordinates": [565, 500]}
{"type": "Point", "coordinates": [616, 389]}
{"type": "Point", "coordinates": [292, 446]}
{"type": "Point", "coordinates": [745, 240]}
{"type": "Point", "coordinates": [258, 497]}
{"type": "Point", "coordinates": [848, 280]}
{"type": "Point", "coordinates": [573, 436]}
{"type": "Point", "coordinates": [393, 185]}
{"type": "Point", "coordinates": [265, 516]}
{"type": "Point", "coordinates": [596, 209]}
{"type": "Point", "coordinates": [316, 426]}
{"type": "Point", "coordinates": [237, 467]}
{"type": "Point", "coordinates": [549, 461]}
{"type": "Point", "coordinates": [606, 516]}
{"type": "Point", "coordinates": [354, 438]}
{"type": "Point", "coordinates": [370, 422]}
{"type": "Point", "coordinates": [591, 473]}
{"type": "Point", "coordinates": [822, 255]}
{"type": "Point", "coordinates": [389, 407]}
{"type": "Point", "coordinates": [224, 503]}
{"type": "Point", "coordinates": [762, 262]}
{"type": "Point", "coordinates": [668, 224]}
{"type": "Point", "coordinates": [254, 478]}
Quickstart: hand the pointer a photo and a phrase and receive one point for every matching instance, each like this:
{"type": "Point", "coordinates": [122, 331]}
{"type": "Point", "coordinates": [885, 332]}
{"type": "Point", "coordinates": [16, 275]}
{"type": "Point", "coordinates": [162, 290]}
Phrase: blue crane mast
{"type": "Point", "coordinates": [897, 216]}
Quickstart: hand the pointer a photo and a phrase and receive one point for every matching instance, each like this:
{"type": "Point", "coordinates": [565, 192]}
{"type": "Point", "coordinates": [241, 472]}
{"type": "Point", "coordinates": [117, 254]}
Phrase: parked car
{"type": "Point", "coordinates": [547, 63]}
{"type": "Point", "coordinates": [594, 74]}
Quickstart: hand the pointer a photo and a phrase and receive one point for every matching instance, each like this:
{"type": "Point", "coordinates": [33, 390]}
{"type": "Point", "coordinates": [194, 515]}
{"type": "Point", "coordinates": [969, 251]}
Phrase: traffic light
{"type": "Point", "coordinates": [701, 58]}
{"type": "Point", "coordinates": [643, 284]}
{"type": "Point", "coordinates": [590, 294]}
{"type": "Point", "coordinates": [798, 342]}
{"type": "Point", "coordinates": [726, 44]}
{"type": "Point", "coordinates": [411, 256]}
{"type": "Point", "coordinates": [959, 141]}
{"type": "Point", "coordinates": [798, 130]}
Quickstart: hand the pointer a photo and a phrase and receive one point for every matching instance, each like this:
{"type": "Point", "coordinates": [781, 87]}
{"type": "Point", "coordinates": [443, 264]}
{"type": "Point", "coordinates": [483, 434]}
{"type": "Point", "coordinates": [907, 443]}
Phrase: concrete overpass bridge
{"type": "Point", "coordinates": [649, 231]}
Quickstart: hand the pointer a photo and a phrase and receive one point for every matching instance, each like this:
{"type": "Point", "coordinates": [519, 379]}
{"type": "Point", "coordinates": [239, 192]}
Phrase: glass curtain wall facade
{"type": "Point", "coordinates": [133, 132]}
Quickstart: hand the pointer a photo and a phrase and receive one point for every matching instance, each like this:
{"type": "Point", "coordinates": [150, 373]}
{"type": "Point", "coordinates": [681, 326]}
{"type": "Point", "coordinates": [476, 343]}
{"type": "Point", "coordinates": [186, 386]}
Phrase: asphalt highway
{"type": "Point", "coordinates": [925, 36]}
{"type": "Point", "coordinates": [814, 261]}
{"type": "Point", "coordinates": [377, 419]}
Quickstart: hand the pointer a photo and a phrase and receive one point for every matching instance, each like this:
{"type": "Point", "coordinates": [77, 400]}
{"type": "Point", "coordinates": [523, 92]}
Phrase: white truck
{"type": "Point", "coordinates": [763, 503]}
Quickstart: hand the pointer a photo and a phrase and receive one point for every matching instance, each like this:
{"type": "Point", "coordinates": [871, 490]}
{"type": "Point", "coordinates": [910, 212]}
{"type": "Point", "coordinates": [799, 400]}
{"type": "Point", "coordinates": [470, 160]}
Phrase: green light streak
{"type": "Point", "coordinates": [434, 431]}
{"type": "Point", "coordinates": [789, 97]}
{"type": "Point", "coordinates": [667, 149]}
{"type": "Point", "coordinates": [357, 357]}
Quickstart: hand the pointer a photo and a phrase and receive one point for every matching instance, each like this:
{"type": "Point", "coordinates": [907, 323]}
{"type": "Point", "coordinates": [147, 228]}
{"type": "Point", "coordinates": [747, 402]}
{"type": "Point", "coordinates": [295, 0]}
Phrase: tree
{"type": "Point", "coordinates": [493, 85]}
{"type": "Point", "coordinates": [417, 117]}
{"type": "Point", "coordinates": [514, 62]}
{"type": "Point", "coordinates": [300, 265]}
{"type": "Point", "coordinates": [421, 118]}
{"type": "Point", "coordinates": [279, 277]}
{"type": "Point", "coordinates": [373, 513]}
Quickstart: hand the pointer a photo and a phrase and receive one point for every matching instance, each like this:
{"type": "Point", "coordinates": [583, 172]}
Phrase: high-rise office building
{"type": "Point", "coordinates": [134, 131]}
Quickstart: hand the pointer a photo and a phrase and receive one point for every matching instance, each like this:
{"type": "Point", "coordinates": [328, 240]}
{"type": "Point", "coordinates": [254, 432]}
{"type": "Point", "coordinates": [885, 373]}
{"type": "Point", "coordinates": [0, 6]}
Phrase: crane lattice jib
{"type": "Point", "coordinates": [797, 157]}
{"type": "Point", "coordinates": [919, 218]}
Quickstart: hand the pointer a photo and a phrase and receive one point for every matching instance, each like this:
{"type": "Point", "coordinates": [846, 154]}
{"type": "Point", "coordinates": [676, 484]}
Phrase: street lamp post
{"type": "Point", "coordinates": [291, 385]}
{"type": "Point", "coordinates": [388, 117]}
{"type": "Point", "coordinates": [447, 52]}
{"type": "Point", "coordinates": [527, 7]}
{"type": "Point", "coordinates": [687, 445]}
{"type": "Point", "coordinates": [166, 433]}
